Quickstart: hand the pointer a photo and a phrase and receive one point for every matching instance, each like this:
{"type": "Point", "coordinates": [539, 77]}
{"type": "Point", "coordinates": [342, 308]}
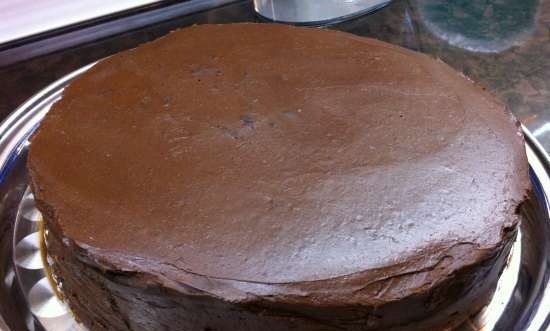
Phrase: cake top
{"type": "Point", "coordinates": [278, 159]}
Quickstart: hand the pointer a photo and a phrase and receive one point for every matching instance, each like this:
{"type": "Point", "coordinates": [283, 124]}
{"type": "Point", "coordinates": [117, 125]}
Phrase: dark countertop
{"type": "Point", "coordinates": [502, 44]}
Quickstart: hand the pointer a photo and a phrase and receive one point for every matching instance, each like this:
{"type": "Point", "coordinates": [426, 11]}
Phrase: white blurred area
{"type": "Point", "coordinates": [24, 18]}
{"type": "Point", "coordinates": [308, 11]}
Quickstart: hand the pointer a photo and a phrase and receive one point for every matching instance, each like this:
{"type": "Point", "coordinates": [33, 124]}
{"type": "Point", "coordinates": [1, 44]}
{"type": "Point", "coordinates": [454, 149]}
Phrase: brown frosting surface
{"type": "Point", "coordinates": [265, 161]}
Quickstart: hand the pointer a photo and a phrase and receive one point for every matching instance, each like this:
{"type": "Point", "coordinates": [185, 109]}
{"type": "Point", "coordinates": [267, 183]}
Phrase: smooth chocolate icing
{"type": "Point", "coordinates": [246, 174]}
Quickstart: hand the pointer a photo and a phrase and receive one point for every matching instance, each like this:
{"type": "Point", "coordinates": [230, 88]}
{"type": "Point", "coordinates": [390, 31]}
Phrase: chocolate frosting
{"type": "Point", "coordinates": [254, 162]}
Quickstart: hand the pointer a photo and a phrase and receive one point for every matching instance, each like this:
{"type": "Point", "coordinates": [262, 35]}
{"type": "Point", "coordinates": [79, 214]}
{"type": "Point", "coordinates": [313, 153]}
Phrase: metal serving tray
{"type": "Point", "coordinates": [28, 301]}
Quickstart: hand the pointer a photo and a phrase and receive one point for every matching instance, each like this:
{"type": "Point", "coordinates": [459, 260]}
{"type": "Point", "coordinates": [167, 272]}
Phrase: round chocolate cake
{"type": "Point", "coordinates": [267, 177]}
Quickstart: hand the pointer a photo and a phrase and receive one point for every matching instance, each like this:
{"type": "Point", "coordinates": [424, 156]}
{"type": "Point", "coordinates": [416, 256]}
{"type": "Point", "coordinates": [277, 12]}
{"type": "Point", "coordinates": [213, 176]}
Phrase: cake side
{"type": "Point", "coordinates": [455, 171]}
{"type": "Point", "coordinates": [112, 299]}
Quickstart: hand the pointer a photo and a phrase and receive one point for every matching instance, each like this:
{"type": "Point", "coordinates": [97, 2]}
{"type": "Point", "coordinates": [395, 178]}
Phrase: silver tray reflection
{"type": "Point", "coordinates": [28, 301]}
